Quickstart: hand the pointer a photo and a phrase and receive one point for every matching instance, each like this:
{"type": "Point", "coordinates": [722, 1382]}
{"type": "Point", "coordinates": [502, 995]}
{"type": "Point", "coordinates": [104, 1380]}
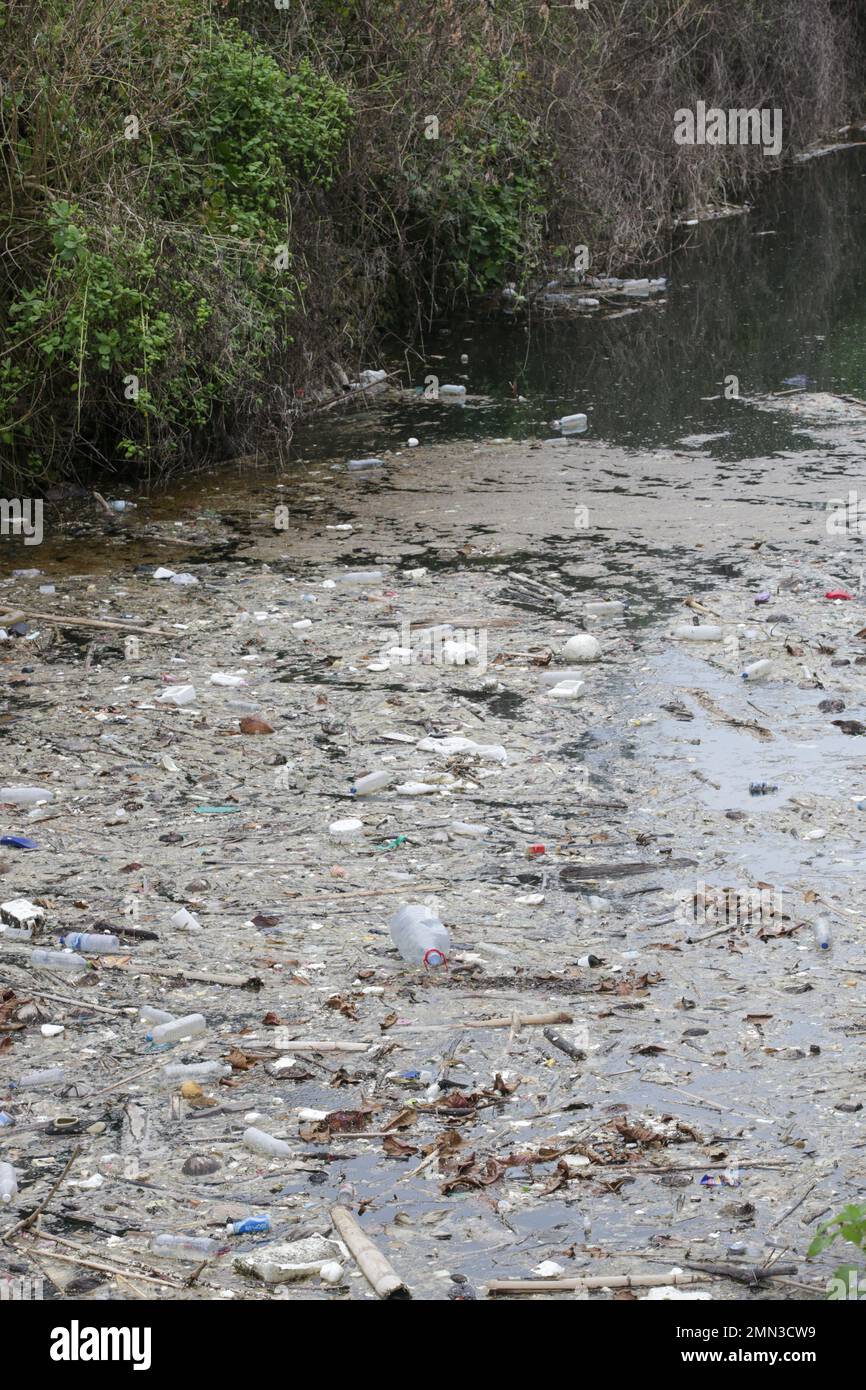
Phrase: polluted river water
{"type": "Point", "coordinates": [638, 1058]}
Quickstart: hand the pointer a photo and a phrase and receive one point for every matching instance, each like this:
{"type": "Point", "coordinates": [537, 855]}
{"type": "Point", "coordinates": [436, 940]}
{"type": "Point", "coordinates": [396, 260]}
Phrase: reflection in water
{"type": "Point", "coordinates": [767, 297]}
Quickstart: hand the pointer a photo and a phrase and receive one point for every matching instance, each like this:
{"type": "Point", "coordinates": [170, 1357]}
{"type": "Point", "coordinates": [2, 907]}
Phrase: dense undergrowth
{"type": "Point", "coordinates": [209, 210]}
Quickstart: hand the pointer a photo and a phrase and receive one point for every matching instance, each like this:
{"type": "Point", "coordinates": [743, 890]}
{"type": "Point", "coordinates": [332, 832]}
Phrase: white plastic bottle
{"type": "Point", "coordinates": [823, 938]}
{"type": "Point", "coordinates": [92, 943]}
{"type": "Point", "coordinates": [148, 1014]}
{"type": "Point", "coordinates": [372, 782]}
{"type": "Point", "coordinates": [262, 1143]}
{"type": "Point", "coordinates": [419, 936]}
{"type": "Point", "coordinates": [24, 796]}
{"type": "Point", "coordinates": [8, 1182]}
{"type": "Point", "coordinates": [188, 1027]}
{"type": "Point", "coordinates": [699, 632]}
{"type": "Point", "coordinates": [757, 670]}
{"type": "Point", "coordinates": [58, 960]}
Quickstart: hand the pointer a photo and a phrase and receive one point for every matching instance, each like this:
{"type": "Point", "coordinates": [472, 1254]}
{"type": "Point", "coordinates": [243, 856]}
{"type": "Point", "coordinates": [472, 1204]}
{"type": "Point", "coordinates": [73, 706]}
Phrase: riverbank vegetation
{"type": "Point", "coordinates": [212, 210]}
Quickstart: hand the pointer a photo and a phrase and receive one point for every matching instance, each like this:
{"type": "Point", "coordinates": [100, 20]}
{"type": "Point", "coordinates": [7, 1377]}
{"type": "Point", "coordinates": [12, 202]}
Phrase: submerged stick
{"type": "Point", "coordinates": [380, 1275]}
{"type": "Point", "coordinates": [595, 1281]}
{"type": "Point", "coordinates": [518, 1021]}
{"type": "Point", "coordinates": [557, 1040]}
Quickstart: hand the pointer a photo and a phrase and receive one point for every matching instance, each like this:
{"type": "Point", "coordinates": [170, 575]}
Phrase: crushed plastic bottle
{"type": "Point", "coordinates": [34, 1080]}
{"type": "Point", "coordinates": [605, 608]}
{"type": "Point", "coordinates": [194, 1071]}
{"type": "Point", "coordinates": [185, 1247]}
{"type": "Point", "coordinates": [420, 937]}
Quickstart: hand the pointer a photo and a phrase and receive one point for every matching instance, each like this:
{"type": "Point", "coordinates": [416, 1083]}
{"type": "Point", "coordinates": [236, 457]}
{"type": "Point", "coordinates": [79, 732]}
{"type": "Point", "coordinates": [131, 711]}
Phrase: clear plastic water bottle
{"type": "Point", "coordinates": [188, 1027]}
{"type": "Point", "coordinates": [604, 608]}
{"type": "Point", "coordinates": [698, 632]}
{"type": "Point", "coordinates": [148, 1014]}
{"type": "Point", "coordinates": [757, 670]}
{"type": "Point", "coordinates": [185, 1247]}
{"type": "Point", "coordinates": [372, 782]}
{"type": "Point", "coordinates": [58, 960]}
{"type": "Point", "coordinates": [194, 1071]}
{"type": "Point", "coordinates": [823, 938]}
{"type": "Point", "coordinates": [420, 937]}
{"type": "Point", "coordinates": [48, 1076]}
{"type": "Point", "coordinates": [8, 1183]}
{"type": "Point", "coordinates": [93, 943]}
{"type": "Point", "coordinates": [262, 1143]}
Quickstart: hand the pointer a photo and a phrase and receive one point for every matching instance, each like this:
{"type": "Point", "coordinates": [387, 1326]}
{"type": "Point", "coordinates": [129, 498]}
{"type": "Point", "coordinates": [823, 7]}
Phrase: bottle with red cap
{"type": "Point", "coordinates": [420, 937]}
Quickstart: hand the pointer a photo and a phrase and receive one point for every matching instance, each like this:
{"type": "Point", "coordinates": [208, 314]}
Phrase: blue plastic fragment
{"type": "Point", "coordinates": [18, 842]}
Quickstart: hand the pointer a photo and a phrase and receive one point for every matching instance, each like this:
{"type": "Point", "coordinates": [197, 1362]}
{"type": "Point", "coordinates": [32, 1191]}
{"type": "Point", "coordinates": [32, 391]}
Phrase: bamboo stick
{"type": "Point", "coordinates": [380, 1275]}
{"type": "Point", "coordinates": [596, 1281]}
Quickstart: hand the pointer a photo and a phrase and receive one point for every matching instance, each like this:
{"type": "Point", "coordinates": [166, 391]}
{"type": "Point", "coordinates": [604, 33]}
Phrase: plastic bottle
{"type": "Point", "coordinates": [823, 938]}
{"type": "Point", "coordinates": [188, 1027]}
{"type": "Point", "coordinates": [194, 1071]}
{"type": "Point", "coordinates": [762, 788]}
{"type": "Point", "coordinates": [355, 464]}
{"type": "Point", "coordinates": [262, 1143]}
{"type": "Point", "coordinates": [147, 1014]}
{"type": "Point", "coordinates": [185, 1247]}
{"type": "Point", "coordinates": [8, 1182]}
{"type": "Point", "coordinates": [24, 796]}
{"type": "Point", "coordinates": [363, 577]}
{"type": "Point", "coordinates": [372, 782]}
{"type": "Point", "coordinates": [58, 960]}
{"type": "Point", "coordinates": [699, 632]}
{"type": "Point", "coordinates": [93, 943]}
{"type": "Point", "coordinates": [419, 936]}
{"type": "Point", "coordinates": [605, 608]}
{"type": "Point", "coordinates": [16, 933]}
{"type": "Point", "coordinates": [572, 424]}
{"type": "Point", "coordinates": [560, 674]}
{"type": "Point", "coordinates": [452, 390]}
{"type": "Point", "coordinates": [177, 695]}
{"type": "Point", "coordinates": [251, 1225]}
{"type": "Point", "coordinates": [757, 670]}
{"type": "Point", "coordinates": [32, 1080]}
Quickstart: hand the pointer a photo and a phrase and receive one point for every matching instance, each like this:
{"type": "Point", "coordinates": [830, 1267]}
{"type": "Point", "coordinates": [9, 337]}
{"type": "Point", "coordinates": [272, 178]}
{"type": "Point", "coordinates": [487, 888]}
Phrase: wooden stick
{"type": "Point", "coordinates": [363, 893]}
{"type": "Point", "coordinates": [133, 1076]}
{"type": "Point", "coordinates": [518, 1021]}
{"type": "Point", "coordinates": [596, 1281]}
{"type": "Point", "coordinates": [110, 625]}
{"type": "Point", "coordinates": [327, 1046]}
{"type": "Point", "coordinates": [104, 1269]}
{"type": "Point", "coordinates": [380, 1275]}
{"type": "Point", "coordinates": [37, 1211]}
{"type": "Point", "coordinates": [239, 981]}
